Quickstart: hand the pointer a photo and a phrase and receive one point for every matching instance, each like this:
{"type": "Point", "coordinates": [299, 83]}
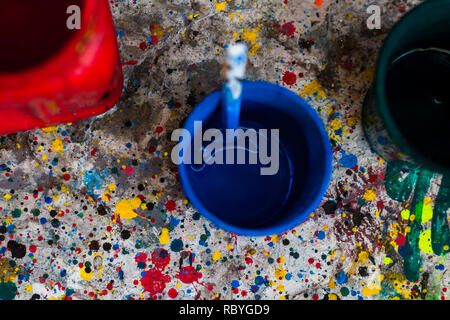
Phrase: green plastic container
{"type": "Point", "coordinates": [425, 26]}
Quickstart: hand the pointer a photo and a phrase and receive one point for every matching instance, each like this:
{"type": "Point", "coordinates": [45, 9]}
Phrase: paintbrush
{"type": "Point", "coordinates": [234, 73]}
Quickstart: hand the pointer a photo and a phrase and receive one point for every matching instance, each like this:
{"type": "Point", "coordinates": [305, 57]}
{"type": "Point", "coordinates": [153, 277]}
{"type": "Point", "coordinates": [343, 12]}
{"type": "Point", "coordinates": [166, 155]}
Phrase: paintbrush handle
{"type": "Point", "coordinates": [232, 89]}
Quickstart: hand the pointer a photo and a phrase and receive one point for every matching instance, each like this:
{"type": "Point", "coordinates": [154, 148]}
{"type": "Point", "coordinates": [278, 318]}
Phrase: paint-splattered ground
{"type": "Point", "coordinates": [95, 210]}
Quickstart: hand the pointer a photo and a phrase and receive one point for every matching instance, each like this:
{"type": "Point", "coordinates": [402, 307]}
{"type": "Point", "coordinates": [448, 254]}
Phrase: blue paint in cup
{"type": "Point", "coordinates": [237, 198]}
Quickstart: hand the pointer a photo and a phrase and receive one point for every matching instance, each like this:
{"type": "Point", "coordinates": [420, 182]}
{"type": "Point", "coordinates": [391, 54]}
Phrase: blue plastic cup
{"type": "Point", "coordinates": [237, 198]}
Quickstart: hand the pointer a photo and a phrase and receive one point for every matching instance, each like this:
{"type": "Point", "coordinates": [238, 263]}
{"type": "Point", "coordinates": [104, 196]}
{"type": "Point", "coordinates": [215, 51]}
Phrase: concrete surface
{"type": "Point", "coordinates": [94, 210]}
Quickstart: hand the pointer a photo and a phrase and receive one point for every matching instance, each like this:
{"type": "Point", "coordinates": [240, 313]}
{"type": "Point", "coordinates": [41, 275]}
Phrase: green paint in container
{"type": "Point", "coordinates": [406, 113]}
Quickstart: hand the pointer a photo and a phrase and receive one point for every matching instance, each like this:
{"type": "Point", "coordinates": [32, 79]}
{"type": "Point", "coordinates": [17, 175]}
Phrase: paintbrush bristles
{"type": "Point", "coordinates": [236, 61]}
{"type": "Point", "coordinates": [232, 88]}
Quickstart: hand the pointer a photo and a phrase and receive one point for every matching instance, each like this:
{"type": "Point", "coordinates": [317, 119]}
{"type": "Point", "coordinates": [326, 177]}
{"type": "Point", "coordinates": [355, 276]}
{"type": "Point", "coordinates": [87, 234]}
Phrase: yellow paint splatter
{"type": "Point", "coordinates": [7, 196]}
{"type": "Point", "coordinates": [387, 260]}
{"type": "Point", "coordinates": [252, 36]}
{"type": "Point", "coordinates": [220, 6]}
{"type": "Point", "coordinates": [373, 287]}
{"type": "Point", "coordinates": [280, 273]}
{"type": "Point", "coordinates": [312, 88]}
{"type": "Point", "coordinates": [368, 74]}
{"type": "Point", "coordinates": [425, 242]}
{"type": "Point", "coordinates": [164, 236]}
{"type": "Point", "coordinates": [57, 145]}
{"type": "Point", "coordinates": [50, 129]}
{"type": "Point", "coordinates": [332, 283]}
{"type": "Point", "coordinates": [217, 255]}
{"type": "Point", "coordinates": [369, 291]}
{"type": "Point", "coordinates": [363, 256]}
{"type": "Point", "coordinates": [84, 275]}
{"type": "Point", "coordinates": [7, 272]}
{"type": "Point", "coordinates": [427, 213]}
{"type": "Point", "coordinates": [351, 122]}
{"type": "Point", "coordinates": [399, 284]}
{"type": "Point", "coordinates": [370, 195]}
{"type": "Point", "coordinates": [336, 124]}
{"type": "Point", "coordinates": [158, 31]}
{"type": "Point", "coordinates": [405, 214]}
{"type": "Point", "coordinates": [125, 208]}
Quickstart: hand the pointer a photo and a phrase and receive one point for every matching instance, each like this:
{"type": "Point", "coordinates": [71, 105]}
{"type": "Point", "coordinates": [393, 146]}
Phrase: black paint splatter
{"type": "Point", "coordinates": [329, 207]}
{"type": "Point", "coordinates": [17, 250]}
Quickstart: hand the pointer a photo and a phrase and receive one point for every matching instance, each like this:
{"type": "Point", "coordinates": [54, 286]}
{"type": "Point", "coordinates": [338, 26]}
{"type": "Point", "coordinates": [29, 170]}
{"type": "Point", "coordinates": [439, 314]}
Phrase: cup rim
{"type": "Point", "coordinates": [387, 49]}
{"type": "Point", "coordinates": [189, 190]}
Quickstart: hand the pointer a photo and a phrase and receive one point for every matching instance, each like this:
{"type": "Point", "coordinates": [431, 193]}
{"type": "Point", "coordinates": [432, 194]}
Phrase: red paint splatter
{"type": "Point", "coordinates": [32, 248]}
{"type": "Point", "coordinates": [288, 29]}
{"type": "Point", "coordinates": [154, 282]}
{"type": "Point", "coordinates": [373, 178]}
{"type": "Point", "coordinates": [310, 260]}
{"type": "Point", "coordinates": [159, 129]}
{"type": "Point", "coordinates": [160, 258]}
{"type": "Point", "coordinates": [173, 293]}
{"type": "Point", "coordinates": [129, 170]}
{"type": "Point", "coordinates": [154, 40]}
{"type": "Point", "coordinates": [401, 239]}
{"type": "Point", "coordinates": [289, 78]}
{"type": "Point", "coordinates": [143, 45]}
{"type": "Point", "coordinates": [140, 257]}
{"type": "Point", "coordinates": [380, 205]}
{"type": "Point", "coordinates": [318, 2]}
{"type": "Point", "coordinates": [151, 149]}
{"type": "Point", "coordinates": [66, 177]}
{"type": "Point", "coordinates": [189, 275]}
{"type": "Point", "coordinates": [93, 152]}
{"type": "Point", "coordinates": [130, 63]}
{"type": "Point", "coordinates": [171, 205]}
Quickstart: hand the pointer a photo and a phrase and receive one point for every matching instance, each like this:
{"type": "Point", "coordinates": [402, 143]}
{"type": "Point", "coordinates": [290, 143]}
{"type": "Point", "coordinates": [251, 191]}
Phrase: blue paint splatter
{"type": "Point", "coordinates": [176, 245]}
{"type": "Point", "coordinates": [341, 277]}
{"type": "Point", "coordinates": [348, 160]}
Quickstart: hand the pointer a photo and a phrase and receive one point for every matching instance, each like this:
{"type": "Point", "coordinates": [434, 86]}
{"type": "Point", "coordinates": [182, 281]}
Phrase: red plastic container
{"type": "Point", "coordinates": [50, 74]}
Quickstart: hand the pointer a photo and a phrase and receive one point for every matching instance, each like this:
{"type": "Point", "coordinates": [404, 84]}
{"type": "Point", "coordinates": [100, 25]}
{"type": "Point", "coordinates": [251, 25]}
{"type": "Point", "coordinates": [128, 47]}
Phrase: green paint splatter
{"type": "Point", "coordinates": [345, 291]}
{"type": "Point", "coordinates": [401, 179]}
{"type": "Point", "coordinates": [398, 186]}
{"type": "Point", "coordinates": [16, 213]}
{"type": "Point", "coordinates": [440, 232]}
{"type": "Point", "coordinates": [8, 290]}
{"type": "Point", "coordinates": [412, 259]}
